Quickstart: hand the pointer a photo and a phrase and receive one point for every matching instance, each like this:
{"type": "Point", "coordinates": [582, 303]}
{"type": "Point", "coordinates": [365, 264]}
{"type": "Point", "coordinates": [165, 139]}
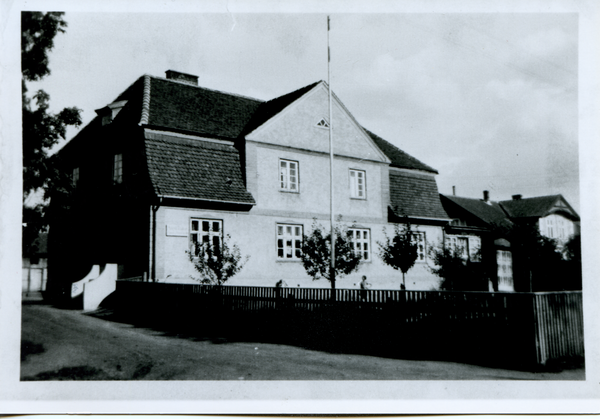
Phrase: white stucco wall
{"type": "Point", "coordinates": [256, 235]}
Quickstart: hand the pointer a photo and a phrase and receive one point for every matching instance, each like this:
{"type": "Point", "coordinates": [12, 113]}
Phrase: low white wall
{"type": "Point", "coordinates": [99, 288]}
{"type": "Point", "coordinates": [77, 287]}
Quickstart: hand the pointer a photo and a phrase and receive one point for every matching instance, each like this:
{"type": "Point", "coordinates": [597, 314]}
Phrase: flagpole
{"type": "Point", "coordinates": [332, 270]}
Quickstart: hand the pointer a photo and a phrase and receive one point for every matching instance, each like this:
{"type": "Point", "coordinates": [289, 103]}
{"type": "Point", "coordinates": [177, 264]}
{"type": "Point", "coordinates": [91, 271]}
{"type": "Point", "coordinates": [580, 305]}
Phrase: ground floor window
{"type": "Point", "coordinates": [205, 232]}
{"type": "Point", "coordinates": [289, 241]}
{"type": "Point", "coordinates": [460, 245]}
{"type": "Point", "coordinates": [505, 272]}
{"type": "Point", "coordinates": [418, 237]}
{"type": "Point", "coordinates": [361, 242]}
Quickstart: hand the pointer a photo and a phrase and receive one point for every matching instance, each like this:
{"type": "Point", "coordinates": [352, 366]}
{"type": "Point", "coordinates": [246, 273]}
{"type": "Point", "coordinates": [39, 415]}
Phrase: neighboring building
{"type": "Point", "coordinates": [476, 227]}
{"type": "Point", "coordinates": [35, 267]}
{"type": "Point", "coordinates": [488, 222]}
{"type": "Point", "coordinates": [169, 163]}
{"type": "Point", "coordinates": [552, 214]}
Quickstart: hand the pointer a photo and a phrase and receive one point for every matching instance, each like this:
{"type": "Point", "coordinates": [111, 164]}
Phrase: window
{"type": "Point", "coordinates": [289, 241]}
{"type": "Point", "coordinates": [118, 168]}
{"type": "Point", "coordinates": [323, 123]}
{"type": "Point", "coordinates": [504, 262]}
{"type": "Point", "coordinates": [75, 176]}
{"type": "Point", "coordinates": [460, 245]}
{"type": "Point", "coordinates": [205, 232]}
{"type": "Point", "coordinates": [361, 242]}
{"type": "Point", "coordinates": [357, 184]}
{"type": "Point", "coordinates": [288, 175]}
{"type": "Point", "coordinates": [419, 239]}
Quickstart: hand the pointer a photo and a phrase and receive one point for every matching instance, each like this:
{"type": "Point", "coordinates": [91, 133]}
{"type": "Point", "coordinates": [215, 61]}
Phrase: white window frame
{"type": "Point", "coordinates": [420, 239]}
{"type": "Point", "coordinates": [323, 123]}
{"type": "Point", "coordinates": [460, 243]}
{"type": "Point", "coordinates": [355, 176]}
{"type": "Point", "coordinates": [118, 168]}
{"type": "Point", "coordinates": [361, 242]}
{"type": "Point", "coordinates": [505, 268]}
{"type": "Point", "coordinates": [288, 182]}
{"type": "Point", "coordinates": [202, 230]}
{"type": "Point", "coordinates": [288, 241]}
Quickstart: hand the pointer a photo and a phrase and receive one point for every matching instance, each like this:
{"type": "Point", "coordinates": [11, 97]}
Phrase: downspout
{"type": "Point", "coordinates": [152, 255]}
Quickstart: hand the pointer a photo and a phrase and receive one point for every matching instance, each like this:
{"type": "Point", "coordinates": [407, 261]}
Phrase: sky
{"type": "Point", "coordinates": [489, 100]}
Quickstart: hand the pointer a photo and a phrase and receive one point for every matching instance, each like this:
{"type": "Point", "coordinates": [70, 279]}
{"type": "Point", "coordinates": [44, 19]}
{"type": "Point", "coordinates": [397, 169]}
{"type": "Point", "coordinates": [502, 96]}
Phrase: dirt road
{"type": "Point", "coordinates": [69, 345]}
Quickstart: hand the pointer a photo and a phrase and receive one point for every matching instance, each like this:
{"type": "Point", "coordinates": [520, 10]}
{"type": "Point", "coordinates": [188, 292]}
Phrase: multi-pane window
{"type": "Point", "coordinates": [361, 242]}
{"type": "Point", "coordinates": [460, 245]}
{"type": "Point", "coordinates": [504, 262]}
{"type": "Point", "coordinates": [205, 233]}
{"type": "Point", "coordinates": [75, 176]}
{"type": "Point", "coordinates": [118, 168]}
{"type": "Point", "coordinates": [289, 241]}
{"type": "Point", "coordinates": [323, 123]}
{"type": "Point", "coordinates": [357, 184]}
{"type": "Point", "coordinates": [419, 239]}
{"type": "Point", "coordinates": [288, 175]}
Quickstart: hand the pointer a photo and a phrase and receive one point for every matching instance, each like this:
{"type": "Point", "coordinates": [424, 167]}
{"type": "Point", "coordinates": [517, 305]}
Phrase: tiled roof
{"type": "Point", "coordinates": [180, 106]}
{"type": "Point", "coordinates": [398, 157]}
{"type": "Point", "coordinates": [269, 109]}
{"type": "Point", "coordinates": [195, 169]}
{"type": "Point", "coordinates": [538, 206]}
{"type": "Point", "coordinates": [490, 213]}
{"type": "Point", "coordinates": [416, 195]}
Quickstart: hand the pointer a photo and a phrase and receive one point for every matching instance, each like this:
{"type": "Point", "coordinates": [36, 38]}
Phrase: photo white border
{"type": "Point", "coordinates": [301, 397]}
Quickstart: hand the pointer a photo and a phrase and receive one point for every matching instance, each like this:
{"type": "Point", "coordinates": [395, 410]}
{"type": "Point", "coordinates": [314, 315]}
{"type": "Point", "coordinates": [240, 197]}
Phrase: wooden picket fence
{"type": "Point", "coordinates": [539, 327]}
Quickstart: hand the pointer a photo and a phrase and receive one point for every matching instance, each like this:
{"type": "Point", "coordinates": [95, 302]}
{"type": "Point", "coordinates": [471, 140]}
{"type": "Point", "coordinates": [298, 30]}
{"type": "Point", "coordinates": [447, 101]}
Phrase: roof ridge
{"type": "Point", "coordinates": [206, 88]}
{"type": "Point", "coordinates": [145, 101]}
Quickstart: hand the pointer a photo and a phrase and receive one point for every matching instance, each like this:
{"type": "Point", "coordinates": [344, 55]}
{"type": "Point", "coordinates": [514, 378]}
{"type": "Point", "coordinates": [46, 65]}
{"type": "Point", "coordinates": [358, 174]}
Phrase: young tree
{"type": "Point", "coordinates": [400, 251]}
{"type": "Point", "coordinates": [217, 262]}
{"type": "Point", "coordinates": [316, 255]}
{"type": "Point", "coordinates": [41, 129]}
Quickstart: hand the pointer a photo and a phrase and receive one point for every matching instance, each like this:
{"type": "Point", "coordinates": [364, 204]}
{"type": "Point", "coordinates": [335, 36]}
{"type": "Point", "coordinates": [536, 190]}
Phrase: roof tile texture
{"type": "Point", "coordinates": [195, 169]}
{"type": "Point", "coordinates": [416, 195]}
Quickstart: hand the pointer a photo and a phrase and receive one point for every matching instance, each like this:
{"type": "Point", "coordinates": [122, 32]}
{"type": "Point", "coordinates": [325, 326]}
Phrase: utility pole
{"type": "Point", "coordinates": [332, 267]}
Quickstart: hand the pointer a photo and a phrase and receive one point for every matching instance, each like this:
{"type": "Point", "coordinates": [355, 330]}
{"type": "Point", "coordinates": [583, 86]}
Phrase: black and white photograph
{"type": "Point", "coordinates": [258, 207]}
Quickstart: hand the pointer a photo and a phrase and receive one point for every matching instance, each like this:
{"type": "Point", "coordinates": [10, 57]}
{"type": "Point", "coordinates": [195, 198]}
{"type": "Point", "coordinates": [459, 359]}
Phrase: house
{"type": "Point", "coordinates": [477, 228]}
{"type": "Point", "coordinates": [489, 223]}
{"type": "Point", "coordinates": [169, 163]}
{"type": "Point", "coordinates": [35, 267]}
{"type": "Point", "coordinates": [552, 215]}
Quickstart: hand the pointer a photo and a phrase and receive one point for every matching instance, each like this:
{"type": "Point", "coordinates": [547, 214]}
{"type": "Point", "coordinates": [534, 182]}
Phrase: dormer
{"type": "Point", "coordinates": [109, 112]}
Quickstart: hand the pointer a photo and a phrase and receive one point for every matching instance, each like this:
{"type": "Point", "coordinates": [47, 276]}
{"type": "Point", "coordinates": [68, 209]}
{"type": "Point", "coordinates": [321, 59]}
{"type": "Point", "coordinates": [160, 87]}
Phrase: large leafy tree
{"type": "Point", "coordinates": [399, 251]}
{"type": "Point", "coordinates": [456, 272]}
{"type": "Point", "coordinates": [316, 255]}
{"type": "Point", "coordinates": [41, 129]}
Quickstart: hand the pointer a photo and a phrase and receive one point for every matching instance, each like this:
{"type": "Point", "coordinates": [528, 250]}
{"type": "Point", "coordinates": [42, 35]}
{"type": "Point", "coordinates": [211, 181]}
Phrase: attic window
{"type": "Point", "coordinates": [323, 123]}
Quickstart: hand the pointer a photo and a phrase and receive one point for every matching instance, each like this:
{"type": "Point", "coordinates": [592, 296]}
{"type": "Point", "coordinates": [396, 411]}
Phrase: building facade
{"type": "Point", "coordinates": [169, 163]}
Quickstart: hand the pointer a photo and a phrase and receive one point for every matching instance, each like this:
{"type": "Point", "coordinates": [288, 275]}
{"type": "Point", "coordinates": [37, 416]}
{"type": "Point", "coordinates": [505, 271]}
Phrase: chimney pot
{"type": "Point", "coordinates": [182, 77]}
{"type": "Point", "coordinates": [486, 196]}
{"type": "Point", "coordinates": [453, 190]}
{"type": "Point", "coordinates": [517, 197]}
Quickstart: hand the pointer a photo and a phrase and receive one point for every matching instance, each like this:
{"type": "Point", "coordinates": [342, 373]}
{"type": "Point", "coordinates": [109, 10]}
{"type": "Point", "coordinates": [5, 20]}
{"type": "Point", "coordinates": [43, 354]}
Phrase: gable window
{"type": "Point", "coordinates": [289, 241]}
{"type": "Point", "coordinates": [361, 242]}
{"type": "Point", "coordinates": [288, 175]}
{"type": "Point", "coordinates": [118, 168]}
{"type": "Point", "coordinates": [419, 239]}
{"type": "Point", "coordinates": [323, 123]}
{"type": "Point", "coordinates": [358, 184]}
{"type": "Point", "coordinates": [205, 232]}
{"type": "Point", "coordinates": [75, 177]}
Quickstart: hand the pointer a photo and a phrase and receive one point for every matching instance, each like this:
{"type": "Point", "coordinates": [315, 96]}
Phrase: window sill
{"type": "Point", "coordinates": [358, 199]}
{"type": "Point", "coordinates": [286, 191]}
{"type": "Point", "coordinates": [288, 260]}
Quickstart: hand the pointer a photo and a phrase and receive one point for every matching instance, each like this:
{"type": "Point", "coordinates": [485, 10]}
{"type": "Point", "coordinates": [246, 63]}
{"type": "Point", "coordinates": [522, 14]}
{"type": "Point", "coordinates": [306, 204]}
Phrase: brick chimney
{"type": "Point", "coordinates": [517, 197]}
{"type": "Point", "coordinates": [486, 196]}
{"type": "Point", "coordinates": [182, 77]}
